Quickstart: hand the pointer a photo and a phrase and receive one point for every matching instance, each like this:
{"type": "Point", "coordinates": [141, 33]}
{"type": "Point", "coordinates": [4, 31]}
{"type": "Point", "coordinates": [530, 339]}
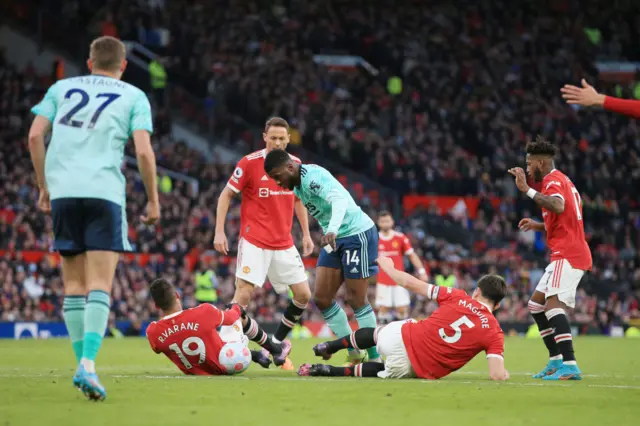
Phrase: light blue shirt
{"type": "Point", "coordinates": [92, 119]}
{"type": "Point", "coordinates": [333, 207]}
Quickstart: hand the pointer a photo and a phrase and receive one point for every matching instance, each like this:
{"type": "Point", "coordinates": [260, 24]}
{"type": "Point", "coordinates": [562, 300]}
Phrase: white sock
{"type": "Point", "coordinates": [556, 358]}
{"type": "Point", "coordinates": [570, 363]}
{"type": "Point", "coordinates": [88, 365]}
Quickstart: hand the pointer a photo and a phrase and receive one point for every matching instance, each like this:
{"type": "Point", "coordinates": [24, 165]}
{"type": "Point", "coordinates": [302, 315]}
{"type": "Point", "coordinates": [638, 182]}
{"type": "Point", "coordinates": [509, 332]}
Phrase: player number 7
{"type": "Point", "coordinates": [463, 320]}
{"type": "Point", "coordinates": [200, 350]}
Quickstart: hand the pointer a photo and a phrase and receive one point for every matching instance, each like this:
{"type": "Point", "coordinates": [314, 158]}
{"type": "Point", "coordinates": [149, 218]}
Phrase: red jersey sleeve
{"type": "Point", "coordinates": [628, 107]}
{"type": "Point", "coordinates": [444, 295]}
{"type": "Point", "coordinates": [239, 179]}
{"type": "Point", "coordinates": [553, 187]}
{"type": "Point", "coordinates": [407, 248]}
{"type": "Point", "coordinates": [150, 336]}
{"type": "Point", "coordinates": [495, 349]}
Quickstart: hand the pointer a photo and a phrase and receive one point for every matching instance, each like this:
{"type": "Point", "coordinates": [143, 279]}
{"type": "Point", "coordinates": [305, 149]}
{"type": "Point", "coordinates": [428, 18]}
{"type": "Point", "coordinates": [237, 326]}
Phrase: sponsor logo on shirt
{"type": "Point", "coordinates": [266, 192]}
{"type": "Point", "coordinates": [263, 192]}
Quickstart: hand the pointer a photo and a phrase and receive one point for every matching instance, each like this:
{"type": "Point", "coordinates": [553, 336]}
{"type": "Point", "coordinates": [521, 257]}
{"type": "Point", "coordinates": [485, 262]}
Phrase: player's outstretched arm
{"type": "Point", "coordinates": [496, 368]}
{"type": "Point", "coordinates": [587, 96]}
{"type": "Point", "coordinates": [147, 165]}
{"type": "Point", "coordinates": [220, 239]}
{"type": "Point", "coordinates": [404, 279]}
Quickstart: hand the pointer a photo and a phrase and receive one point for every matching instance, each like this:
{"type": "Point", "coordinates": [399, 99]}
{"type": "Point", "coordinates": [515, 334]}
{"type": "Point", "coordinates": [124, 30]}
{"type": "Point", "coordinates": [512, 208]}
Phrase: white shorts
{"type": "Point", "coordinates": [233, 333]}
{"type": "Point", "coordinates": [392, 296]}
{"type": "Point", "coordinates": [391, 346]}
{"type": "Point", "coordinates": [561, 279]}
{"type": "Point", "coordinates": [283, 267]}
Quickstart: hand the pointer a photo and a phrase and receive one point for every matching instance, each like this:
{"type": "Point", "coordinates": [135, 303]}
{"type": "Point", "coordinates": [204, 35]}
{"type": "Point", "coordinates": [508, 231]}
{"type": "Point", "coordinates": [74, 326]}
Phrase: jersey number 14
{"type": "Point", "coordinates": [67, 119]}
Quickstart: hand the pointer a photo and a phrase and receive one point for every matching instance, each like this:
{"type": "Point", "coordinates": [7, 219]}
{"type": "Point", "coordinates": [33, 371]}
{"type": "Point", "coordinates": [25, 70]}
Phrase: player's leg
{"type": "Point", "coordinates": [365, 369]}
{"type": "Point", "coordinates": [561, 294]}
{"type": "Point", "coordinates": [287, 272]}
{"type": "Point", "coordinates": [536, 307]}
{"type": "Point", "coordinates": [251, 272]}
{"type": "Point", "coordinates": [384, 303]}
{"type": "Point", "coordinates": [391, 345]}
{"type": "Point", "coordinates": [363, 338]}
{"type": "Point", "coordinates": [328, 280]}
{"type": "Point", "coordinates": [402, 302]}
{"type": "Point", "coordinates": [68, 229]}
{"type": "Point", "coordinates": [359, 255]}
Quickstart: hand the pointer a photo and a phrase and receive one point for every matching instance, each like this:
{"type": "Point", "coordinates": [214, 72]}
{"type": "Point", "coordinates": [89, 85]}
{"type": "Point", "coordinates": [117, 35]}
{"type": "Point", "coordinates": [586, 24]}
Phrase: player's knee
{"type": "Point", "coordinates": [243, 292]}
{"type": "Point", "coordinates": [322, 301]}
{"type": "Point", "coordinates": [355, 300]}
{"type": "Point", "coordinates": [535, 308]}
{"type": "Point", "coordinates": [301, 294]}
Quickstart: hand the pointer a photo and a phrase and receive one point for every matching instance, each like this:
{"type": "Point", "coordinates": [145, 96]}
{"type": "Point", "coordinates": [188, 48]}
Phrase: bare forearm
{"type": "Point", "coordinates": [147, 166]}
{"type": "Point", "coordinates": [224, 201]}
{"type": "Point", "coordinates": [303, 217]}
{"type": "Point", "coordinates": [416, 262]}
{"type": "Point", "coordinates": [37, 152]}
{"type": "Point", "coordinates": [409, 282]}
{"type": "Point", "coordinates": [553, 204]}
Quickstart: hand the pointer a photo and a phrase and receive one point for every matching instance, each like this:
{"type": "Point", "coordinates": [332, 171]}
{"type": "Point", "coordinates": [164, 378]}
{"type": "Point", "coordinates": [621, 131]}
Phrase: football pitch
{"type": "Point", "coordinates": [145, 389]}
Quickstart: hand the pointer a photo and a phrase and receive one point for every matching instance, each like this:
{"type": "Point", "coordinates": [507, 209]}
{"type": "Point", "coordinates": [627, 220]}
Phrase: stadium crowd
{"type": "Point", "coordinates": [456, 127]}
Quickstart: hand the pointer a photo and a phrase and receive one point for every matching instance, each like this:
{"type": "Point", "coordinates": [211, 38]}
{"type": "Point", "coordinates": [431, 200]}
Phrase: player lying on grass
{"type": "Point", "coordinates": [432, 348]}
{"type": "Point", "coordinates": [349, 244]}
{"type": "Point", "coordinates": [190, 338]}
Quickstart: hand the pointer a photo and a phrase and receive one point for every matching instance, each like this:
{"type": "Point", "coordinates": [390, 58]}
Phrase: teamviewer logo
{"type": "Point", "coordinates": [263, 192]}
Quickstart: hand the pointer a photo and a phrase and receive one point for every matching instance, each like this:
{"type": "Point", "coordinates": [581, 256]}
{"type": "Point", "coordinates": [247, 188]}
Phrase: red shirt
{"type": "Point", "coordinates": [190, 340]}
{"type": "Point", "coordinates": [453, 335]}
{"type": "Point", "coordinates": [266, 213]}
{"type": "Point", "coordinates": [395, 246]}
{"type": "Point", "coordinates": [565, 231]}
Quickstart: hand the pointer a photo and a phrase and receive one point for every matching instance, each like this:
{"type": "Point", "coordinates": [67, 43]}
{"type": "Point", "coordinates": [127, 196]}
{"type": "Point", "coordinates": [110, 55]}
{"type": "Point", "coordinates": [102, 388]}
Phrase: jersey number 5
{"type": "Point", "coordinates": [67, 119]}
{"type": "Point", "coordinates": [463, 320]}
{"type": "Point", "coordinates": [199, 350]}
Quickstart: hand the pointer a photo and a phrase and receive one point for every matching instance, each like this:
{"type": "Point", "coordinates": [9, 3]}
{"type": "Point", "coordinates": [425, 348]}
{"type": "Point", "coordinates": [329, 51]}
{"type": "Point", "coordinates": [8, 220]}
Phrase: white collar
{"type": "Point", "coordinates": [175, 314]}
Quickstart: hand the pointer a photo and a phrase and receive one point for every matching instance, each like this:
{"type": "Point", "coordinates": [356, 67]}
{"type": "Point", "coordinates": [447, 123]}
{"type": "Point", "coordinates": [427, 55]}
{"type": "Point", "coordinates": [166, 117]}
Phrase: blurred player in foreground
{"type": "Point", "coordinates": [349, 244]}
{"type": "Point", "coordinates": [189, 338]}
{"type": "Point", "coordinates": [587, 96]}
{"type": "Point", "coordinates": [570, 256]}
{"type": "Point", "coordinates": [395, 245]}
{"type": "Point", "coordinates": [432, 348]}
{"type": "Point", "coordinates": [91, 118]}
{"type": "Point", "coordinates": [266, 246]}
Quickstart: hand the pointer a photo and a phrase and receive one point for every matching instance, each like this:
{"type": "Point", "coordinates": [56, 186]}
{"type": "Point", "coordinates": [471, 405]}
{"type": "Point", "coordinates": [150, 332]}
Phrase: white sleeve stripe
{"type": "Point", "coordinates": [495, 356]}
{"type": "Point", "coordinates": [409, 252]}
{"type": "Point", "coordinates": [557, 195]}
{"type": "Point", "coordinates": [233, 188]}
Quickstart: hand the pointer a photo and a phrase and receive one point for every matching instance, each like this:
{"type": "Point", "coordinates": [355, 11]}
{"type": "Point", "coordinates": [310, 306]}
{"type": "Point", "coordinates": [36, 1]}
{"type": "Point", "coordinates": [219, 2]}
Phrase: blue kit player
{"type": "Point", "coordinates": [91, 118]}
{"type": "Point", "coordinates": [349, 245]}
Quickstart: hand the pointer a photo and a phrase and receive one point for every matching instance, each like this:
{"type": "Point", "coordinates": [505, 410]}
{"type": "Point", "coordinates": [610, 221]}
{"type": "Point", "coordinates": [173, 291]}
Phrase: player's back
{"type": "Point", "coordinates": [453, 335]}
{"type": "Point", "coordinates": [565, 231]}
{"type": "Point", "coordinates": [92, 119]}
{"type": "Point", "coordinates": [189, 339]}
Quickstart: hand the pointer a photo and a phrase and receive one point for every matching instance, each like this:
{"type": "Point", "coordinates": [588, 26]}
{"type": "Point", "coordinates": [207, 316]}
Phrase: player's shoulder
{"type": "Point", "coordinates": [398, 235]}
{"type": "Point", "coordinates": [555, 178]}
{"type": "Point", "coordinates": [294, 158]}
{"type": "Point", "coordinates": [256, 156]}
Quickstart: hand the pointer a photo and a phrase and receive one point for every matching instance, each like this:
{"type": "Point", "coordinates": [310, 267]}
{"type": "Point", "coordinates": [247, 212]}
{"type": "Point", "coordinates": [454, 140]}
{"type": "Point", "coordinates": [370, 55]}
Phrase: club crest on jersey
{"type": "Point", "coordinates": [394, 244]}
{"type": "Point", "coordinates": [314, 186]}
{"type": "Point", "coordinates": [237, 173]}
{"type": "Point", "coordinates": [246, 269]}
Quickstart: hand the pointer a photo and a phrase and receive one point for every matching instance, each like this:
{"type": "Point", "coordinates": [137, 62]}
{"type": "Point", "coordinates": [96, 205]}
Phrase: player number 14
{"type": "Point", "coordinates": [456, 325]}
{"type": "Point", "coordinates": [199, 351]}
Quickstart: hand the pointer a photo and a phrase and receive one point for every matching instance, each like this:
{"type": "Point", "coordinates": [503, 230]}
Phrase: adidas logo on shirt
{"type": "Point", "coordinates": [354, 270]}
{"type": "Point", "coordinates": [264, 177]}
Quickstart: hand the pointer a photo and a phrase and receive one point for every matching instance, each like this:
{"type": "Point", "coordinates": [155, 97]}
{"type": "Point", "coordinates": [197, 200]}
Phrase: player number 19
{"type": "Point", "coordinates": [463, 320]}
{"type": "Point", "coordinates": [199, 350]}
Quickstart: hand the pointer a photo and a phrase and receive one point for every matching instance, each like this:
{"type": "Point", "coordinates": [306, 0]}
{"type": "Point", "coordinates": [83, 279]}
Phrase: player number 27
{"type": "Point", "coordinates": [456, 325]}
{"type": "Point", "coordinates": [199, 351]}
{"type": "Point", "coordinates": [67, 119]}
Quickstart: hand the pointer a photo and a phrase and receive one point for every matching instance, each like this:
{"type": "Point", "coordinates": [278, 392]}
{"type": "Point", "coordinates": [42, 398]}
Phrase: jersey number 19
{"type": "Point", "coordinates": [199, 351]}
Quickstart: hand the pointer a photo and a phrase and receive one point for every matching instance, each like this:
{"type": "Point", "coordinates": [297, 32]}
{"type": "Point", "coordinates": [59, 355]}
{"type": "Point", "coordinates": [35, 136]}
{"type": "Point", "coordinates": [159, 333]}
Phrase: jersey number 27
{"type": "Point", "coordinates": [67, 119]}
{"type": "Point", "coordinates": [457, 328]}
{"type": "Point", "coordinates": [200, 350]}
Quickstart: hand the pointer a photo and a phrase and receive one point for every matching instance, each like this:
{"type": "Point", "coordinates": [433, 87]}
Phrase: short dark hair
{"type": "Point", "coordinates": [385, 213]}
{"type": "Point", "coordinates": [276, 122]}
{"type": "Point", "coordinates": [275, 159]}
{"type": "Point", "coordinates": [493, 287]}
{"type": "Point", "coordinates": [163, 293]}
{"type": "Point", "coordinates": [542, 147]}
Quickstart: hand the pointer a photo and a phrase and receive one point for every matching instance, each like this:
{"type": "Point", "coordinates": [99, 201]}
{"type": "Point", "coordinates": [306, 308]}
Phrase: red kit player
{"type": "Point", "coordinates": [266, 248]}
{"type": "Point", "coordinates": [587, 96]}
{"type": "Point", "coordinates": [395, 245]}
{"type": "Point", "coordinates": [570, 256]}
{"type": "Point", "coordinates": [432, 348]}
{"type": "Point", "coordinates": [190, 338]}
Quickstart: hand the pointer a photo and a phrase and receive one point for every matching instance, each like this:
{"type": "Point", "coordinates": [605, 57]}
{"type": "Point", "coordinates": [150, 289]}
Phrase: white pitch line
{"type": "Point", "coordinates": [333, 379]}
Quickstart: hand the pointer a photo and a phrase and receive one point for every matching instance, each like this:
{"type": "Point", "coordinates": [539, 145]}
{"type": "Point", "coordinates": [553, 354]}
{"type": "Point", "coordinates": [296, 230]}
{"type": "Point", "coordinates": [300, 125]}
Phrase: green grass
{"type": "Point", "coordinates": [145, 389]}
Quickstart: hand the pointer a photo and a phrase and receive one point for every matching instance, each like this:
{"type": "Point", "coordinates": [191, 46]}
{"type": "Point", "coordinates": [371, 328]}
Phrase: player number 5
{"type": "Point", "coordinates": [199, 350]}
{"type": "Point", "coordinates": [463, 320]}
